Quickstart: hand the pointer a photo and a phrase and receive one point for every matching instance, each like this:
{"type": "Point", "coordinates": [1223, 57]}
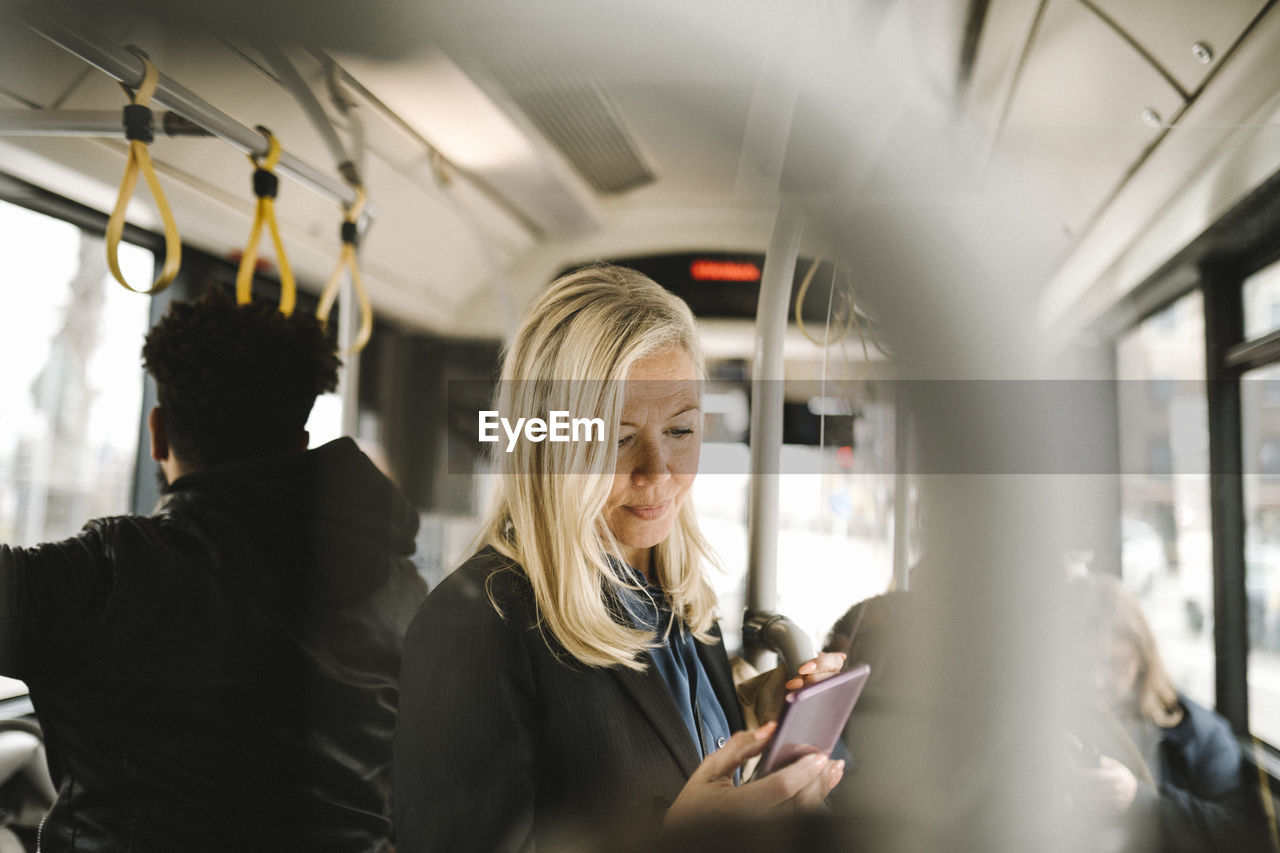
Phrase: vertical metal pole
{"type": "Point", "coordinates": [766, 407]}
{"type": "Point", "coordinates": [349, 381]}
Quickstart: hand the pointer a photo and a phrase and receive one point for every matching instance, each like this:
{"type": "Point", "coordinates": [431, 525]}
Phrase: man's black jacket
{"type": "Point", "coordinates": [222, 675]}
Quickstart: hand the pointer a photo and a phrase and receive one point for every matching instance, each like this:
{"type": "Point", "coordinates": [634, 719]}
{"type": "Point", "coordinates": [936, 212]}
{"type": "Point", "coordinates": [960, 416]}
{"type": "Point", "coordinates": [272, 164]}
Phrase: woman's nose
{"type": "Point", "coordinates": [651, 464]}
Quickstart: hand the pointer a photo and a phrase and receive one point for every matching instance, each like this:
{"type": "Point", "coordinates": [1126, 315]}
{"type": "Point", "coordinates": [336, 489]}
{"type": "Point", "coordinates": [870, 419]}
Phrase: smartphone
{"type": "Point", "coordinates": [813, 718]}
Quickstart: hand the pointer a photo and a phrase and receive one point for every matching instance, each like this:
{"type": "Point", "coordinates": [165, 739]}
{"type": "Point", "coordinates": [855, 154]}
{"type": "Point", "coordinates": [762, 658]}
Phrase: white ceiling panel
{"type": "Point", "coordinates": [1188, 38]}
{"type": "Point", "coordinates": [1085, 109]}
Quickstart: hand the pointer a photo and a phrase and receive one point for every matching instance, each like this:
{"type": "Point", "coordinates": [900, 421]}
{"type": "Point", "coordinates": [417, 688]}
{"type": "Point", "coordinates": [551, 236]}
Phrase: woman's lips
{"type": "Point", "coordinates": [648, 513]}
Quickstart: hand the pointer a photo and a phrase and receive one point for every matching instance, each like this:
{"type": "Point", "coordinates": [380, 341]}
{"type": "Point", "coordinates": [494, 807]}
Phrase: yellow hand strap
{"type": "Point", "coordinates": [347, 260]}
{"type": "Point", "coordinates": [265, 186]}
{"type": "Point", "coordinates": [138, 130]}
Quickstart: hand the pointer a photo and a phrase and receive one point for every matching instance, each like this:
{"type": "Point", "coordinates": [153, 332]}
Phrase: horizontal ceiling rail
{"type": "Point", "coordinates": [94, 123]}
{"type": "Point", "coordinates": [127, 68]}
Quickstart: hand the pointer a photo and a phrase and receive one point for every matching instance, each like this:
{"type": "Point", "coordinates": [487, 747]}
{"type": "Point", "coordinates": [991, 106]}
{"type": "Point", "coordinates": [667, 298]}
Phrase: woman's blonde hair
{"type": "Point", "coordinates": [1117, 616]}
{"type": "Point", "coordinates": [573, 353]}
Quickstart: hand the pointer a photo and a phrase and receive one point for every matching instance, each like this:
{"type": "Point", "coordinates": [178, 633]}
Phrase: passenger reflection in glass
{"type": "Point", "coordinates": [1155, 769]}
{"type": "Point", "coordinates": [571, 672]}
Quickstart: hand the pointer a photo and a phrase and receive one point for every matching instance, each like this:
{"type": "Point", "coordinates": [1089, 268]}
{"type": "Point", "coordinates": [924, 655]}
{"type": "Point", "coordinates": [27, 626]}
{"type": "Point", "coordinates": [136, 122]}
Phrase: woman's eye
{"type": "Point", "coordinates": [622, 442]}
{"type": "Point", "coordinates": [681, 432]}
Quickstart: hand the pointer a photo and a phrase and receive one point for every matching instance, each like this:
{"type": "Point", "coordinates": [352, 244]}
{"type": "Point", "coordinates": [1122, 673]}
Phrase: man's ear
{"type": "Point", "coordinates": [304, 439]}
{"type": "Point", "coordinates": [159, 435]}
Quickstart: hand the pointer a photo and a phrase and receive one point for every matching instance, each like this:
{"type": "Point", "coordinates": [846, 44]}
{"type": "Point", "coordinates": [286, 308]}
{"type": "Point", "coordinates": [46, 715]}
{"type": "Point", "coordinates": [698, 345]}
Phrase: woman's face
{"type": "Point", "coordinates": [658, 443]}
{"type": "Point", "coordinates": [1116, 676]}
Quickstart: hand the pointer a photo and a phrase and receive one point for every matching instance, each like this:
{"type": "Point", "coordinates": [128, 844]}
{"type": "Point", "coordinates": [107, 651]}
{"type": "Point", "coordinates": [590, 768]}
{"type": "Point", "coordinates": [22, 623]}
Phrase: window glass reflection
{"type": "Point", "coordinates": [1166, 549]}
{"type": "Point", "coordinates": [70, 338]}
{"type": "Point", "coordinates": [1260, 419]}
{"type": "Point", "coordinates": [836, 507]}
{"type": "Point", "coordinates": [1262, 302]}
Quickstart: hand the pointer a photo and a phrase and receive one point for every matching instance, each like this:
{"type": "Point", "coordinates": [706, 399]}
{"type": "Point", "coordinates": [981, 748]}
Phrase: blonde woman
{"type": "Point", "coordinates": [572, 670]}
{"type": "Point", "coordinates": [1168, 770]}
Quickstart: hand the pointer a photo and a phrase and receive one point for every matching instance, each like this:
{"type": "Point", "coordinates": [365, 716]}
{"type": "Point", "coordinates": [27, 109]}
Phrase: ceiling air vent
{"type": "Point", "coordinates": [573, 112]}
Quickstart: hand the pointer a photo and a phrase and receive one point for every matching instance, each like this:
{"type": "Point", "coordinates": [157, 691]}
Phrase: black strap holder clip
{"type": "Point", "coordinates": [265, 184]}
{"type": "Point", "coordinates": [350, 234]}
{"type": "Point", "coordinates": [138, 125]}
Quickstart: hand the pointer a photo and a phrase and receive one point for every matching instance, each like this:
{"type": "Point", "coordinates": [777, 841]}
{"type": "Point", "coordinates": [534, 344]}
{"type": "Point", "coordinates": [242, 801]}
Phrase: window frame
{"type": "Point", "coordinates": [1217, 262]}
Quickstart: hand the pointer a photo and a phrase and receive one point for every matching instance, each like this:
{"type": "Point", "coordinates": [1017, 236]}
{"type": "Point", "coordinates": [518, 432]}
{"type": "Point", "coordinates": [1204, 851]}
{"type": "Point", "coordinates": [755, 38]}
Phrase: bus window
{"type": "Point", "coordinates": [835, 536]}
{"type": "Point", "coordinates": [1164, 445]}
{"type": "Point", "coordinates": [72, 380]}
{"type": "Point", "coordinates": [1262, 302]}
{"type": "Point", "coordinates": [1260, 423]}
{"type": "Point", "coordinates": [836, 496]}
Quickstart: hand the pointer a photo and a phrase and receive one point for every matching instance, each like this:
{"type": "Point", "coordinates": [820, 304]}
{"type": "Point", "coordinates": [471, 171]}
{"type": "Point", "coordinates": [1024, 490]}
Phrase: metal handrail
{"type": "Point", "coordinates": [126, 67]}
{"type": "Point", "coordinates": [766, 407]}
{"type": "Point", "coordinates": [95, 123]}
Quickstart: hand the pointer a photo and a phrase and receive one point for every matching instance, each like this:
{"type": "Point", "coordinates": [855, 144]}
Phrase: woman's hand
{"type": "Point", "coordinates": [1107, 790]}
{"type": "Point", "coordinates": [710, 792]}
{"type": "Point", "coordinates": [768, 699]}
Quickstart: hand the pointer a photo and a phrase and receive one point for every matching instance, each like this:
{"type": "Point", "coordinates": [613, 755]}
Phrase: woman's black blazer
{"type": "Point", "coordinates": [504, 740]}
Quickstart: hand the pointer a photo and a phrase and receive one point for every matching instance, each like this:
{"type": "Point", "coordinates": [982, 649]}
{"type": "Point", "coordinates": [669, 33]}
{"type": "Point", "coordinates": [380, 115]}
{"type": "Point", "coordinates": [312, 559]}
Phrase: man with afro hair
{"type": "Point", "coordinates": [223, 674]}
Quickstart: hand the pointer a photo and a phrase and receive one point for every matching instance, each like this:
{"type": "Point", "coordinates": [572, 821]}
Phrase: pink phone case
{"type": "Point", "coordinates": [813, 718]}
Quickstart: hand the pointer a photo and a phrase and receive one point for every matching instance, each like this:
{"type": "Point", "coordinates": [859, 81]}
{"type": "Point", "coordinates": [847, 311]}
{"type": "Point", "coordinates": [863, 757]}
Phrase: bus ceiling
{"type": "Point", "coordinates": [1059, 150]}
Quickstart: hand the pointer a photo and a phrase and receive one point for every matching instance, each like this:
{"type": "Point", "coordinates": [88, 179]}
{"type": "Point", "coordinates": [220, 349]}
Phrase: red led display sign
{"type": "Point", "coordinates": [709, 270]}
